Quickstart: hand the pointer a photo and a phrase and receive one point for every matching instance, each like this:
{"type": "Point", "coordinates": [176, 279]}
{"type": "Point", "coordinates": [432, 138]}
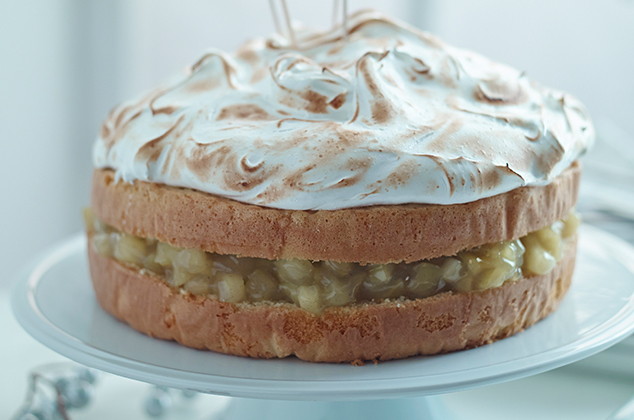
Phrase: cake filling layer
{"type": "Point", "coordinates": [316, 285]}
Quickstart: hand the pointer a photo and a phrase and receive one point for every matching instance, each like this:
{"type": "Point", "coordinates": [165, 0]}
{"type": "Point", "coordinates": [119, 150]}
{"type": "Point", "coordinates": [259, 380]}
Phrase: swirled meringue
{"type": "Point", "coordinates": [378, 114]}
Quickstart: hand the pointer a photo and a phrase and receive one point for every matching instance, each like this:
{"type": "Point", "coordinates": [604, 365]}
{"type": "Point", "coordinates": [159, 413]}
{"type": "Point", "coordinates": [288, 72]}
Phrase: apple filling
{"type": "Point", "coordinates": [316, 285]}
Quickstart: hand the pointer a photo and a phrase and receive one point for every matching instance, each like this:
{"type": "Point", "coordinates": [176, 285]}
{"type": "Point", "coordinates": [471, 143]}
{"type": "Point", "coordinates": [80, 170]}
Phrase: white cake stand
{"type": "Point", "coordinates": [53, 300]}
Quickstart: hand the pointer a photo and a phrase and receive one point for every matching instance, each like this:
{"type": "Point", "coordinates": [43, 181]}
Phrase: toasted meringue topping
{"type": "Point", "coordinates": [384, 115]}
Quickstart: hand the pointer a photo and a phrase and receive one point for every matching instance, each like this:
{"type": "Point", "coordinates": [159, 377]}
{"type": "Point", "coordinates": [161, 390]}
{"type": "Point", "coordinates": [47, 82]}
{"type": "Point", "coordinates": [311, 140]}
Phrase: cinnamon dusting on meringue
{"type": "Point", "coordinates": [280, 126]}
{"type": "Point", "coordinates": [203, 85]}
{"type": "Point", "coordinates": [498, 92]}
{"type": "Point", "coordinates": [151, 151]}
{"type": "Point", "coordinates": [243, 112]}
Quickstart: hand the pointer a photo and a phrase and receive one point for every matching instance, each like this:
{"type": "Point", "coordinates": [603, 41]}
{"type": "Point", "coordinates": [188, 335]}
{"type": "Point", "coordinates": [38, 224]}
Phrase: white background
{"type": "Point", "coordinates": [64, 63]}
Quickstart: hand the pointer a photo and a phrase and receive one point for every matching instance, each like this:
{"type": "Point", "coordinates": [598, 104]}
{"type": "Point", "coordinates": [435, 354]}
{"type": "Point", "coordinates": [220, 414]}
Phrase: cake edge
{"type": "Point", "coordinates": [376, 234]}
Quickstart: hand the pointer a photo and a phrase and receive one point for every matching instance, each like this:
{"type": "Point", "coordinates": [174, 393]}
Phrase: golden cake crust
{"type": "Point", "coordinates": [377, 234]}
{"type": "Point", "coordinates": [371, 331]}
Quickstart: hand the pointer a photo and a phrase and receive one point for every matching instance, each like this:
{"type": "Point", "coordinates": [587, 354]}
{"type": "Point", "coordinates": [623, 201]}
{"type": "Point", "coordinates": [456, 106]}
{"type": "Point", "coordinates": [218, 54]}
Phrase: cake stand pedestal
{"type": "Point", "coordinates": [416, 408]}
{"type": "Point", "coordinates": [54, 302]}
